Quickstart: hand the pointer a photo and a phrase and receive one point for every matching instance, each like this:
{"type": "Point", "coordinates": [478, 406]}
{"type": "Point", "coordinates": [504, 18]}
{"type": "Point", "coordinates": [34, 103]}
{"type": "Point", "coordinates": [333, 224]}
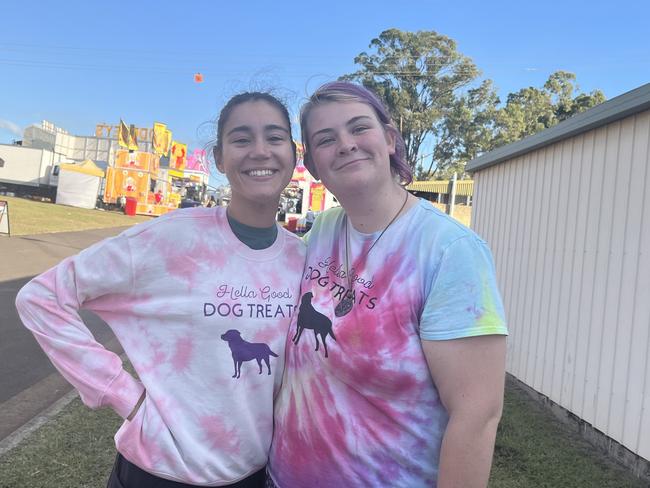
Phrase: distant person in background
{"type": "Point", "coordinates": [401, 382]}
{"type": "Point", "coordinates": [309, 220]}
{"type": "Point", "coordinates": [282, 214]}
{"type": "Point", "coordinates": [208, 358]}
{"type": "Point", "coordinates": [299, 203]}
{"type": "Point", "coordinates": [211, 202]}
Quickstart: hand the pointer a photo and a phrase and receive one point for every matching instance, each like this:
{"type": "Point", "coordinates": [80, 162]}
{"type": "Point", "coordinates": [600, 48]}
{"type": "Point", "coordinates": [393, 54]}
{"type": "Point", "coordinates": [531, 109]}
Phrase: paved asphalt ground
{"type": "Point", "coordinates": [28, 382]}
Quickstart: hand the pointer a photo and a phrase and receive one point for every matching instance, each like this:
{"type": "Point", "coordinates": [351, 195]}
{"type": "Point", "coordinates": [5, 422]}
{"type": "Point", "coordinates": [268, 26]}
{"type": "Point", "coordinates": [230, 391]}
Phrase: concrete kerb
{"type": "Point", "coordinates": [14, 439]}
{"type": "Point", "coordinates": [19, 435]}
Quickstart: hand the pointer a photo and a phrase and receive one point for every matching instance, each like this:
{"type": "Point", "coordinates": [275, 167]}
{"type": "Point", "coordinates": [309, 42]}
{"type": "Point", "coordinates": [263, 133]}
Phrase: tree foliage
{"type": "Point", "coordinates": [432, 92]}
{"type": "Point", "coordinates": [467, 130]}
{"type": "Point", "coordinates": [531, 109]}
{"type": "Point", "coordinates": [418, 75]}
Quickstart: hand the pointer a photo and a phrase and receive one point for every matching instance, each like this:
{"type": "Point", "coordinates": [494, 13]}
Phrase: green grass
{"type": "Point", "coordinates": [28, 217]}
{"type": "Point", "coordinates": [533, 450]}
{"type": "Point", "coordinates": [75, 449]}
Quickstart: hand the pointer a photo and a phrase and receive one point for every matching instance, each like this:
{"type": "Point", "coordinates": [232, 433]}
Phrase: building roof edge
{"type": "Point", "coordinates": [617, 108]}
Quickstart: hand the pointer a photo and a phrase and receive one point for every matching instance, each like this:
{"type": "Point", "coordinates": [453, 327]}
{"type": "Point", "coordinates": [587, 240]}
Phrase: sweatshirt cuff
{"type": "Point", "coordinates": [123, 394]}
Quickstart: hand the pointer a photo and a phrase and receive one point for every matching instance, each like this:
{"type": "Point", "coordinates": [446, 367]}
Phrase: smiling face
{"type": "Point", "coordinates": [256, 156]}
{"type": "Point", "coordinates": [349, 147]}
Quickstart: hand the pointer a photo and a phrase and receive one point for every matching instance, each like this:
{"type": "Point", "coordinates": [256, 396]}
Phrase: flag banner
{"type": "Point", "coordinates": [123, 135]}
{"type": "Point", "coordinates": [168, 142]}
{"type": "Point", "coordinates": [133, 138]}
{"type": "Point", "coordinates": [159, 139]}
{"type": "Point", "coordinates": [178, 156]}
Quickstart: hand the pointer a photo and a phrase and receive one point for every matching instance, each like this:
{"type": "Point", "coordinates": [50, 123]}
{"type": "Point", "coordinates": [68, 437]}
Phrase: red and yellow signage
{"type": "Point", "coordinates": [126, 183]}
{"type": "Point", "coordinates": [178, 156]}
{"type": "Point", "coordinates": [316, 197]}
{"type": "Point", "coordinates": [159, 138]}
{"type": "Point", "coordinates": [299, 174]}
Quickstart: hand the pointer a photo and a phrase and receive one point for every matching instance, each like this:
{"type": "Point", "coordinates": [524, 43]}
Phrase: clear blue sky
{"type": "Point", "coordinates": [78, 63]}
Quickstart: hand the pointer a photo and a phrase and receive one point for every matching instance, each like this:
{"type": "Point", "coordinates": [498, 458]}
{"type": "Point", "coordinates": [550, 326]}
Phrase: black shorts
{"type": "Point", "coordinates": [127, 475]}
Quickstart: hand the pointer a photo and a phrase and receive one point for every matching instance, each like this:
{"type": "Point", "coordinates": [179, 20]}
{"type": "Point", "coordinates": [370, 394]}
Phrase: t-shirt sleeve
{"type": "Point", "coordinates": [464, 300]}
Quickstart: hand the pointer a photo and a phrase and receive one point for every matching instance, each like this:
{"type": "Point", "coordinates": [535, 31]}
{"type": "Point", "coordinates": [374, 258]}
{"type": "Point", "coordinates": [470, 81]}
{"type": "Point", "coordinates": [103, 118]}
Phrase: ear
{"type": "Point", "coordinates": [391, 138]}
{"type": "Point", "coordinates": [217, 160]}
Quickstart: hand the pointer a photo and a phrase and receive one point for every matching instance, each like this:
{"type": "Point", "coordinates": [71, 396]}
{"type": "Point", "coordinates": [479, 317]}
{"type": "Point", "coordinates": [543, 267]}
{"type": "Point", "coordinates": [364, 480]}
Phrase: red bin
{"type": "Point", "coordinates": [292, 224]}
{"type": "Point", "coordinates": [130, 206]}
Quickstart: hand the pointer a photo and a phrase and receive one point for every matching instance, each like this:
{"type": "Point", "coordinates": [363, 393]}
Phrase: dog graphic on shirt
{"type": "Point", "coordinates": [312, 319]}
{"type": "Point", "coordinates": [243, 351]}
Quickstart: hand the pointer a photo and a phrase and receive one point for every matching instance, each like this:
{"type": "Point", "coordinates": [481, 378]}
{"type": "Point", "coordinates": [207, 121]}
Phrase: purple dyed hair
{"type": "Point", "coordinates": [343, 91]}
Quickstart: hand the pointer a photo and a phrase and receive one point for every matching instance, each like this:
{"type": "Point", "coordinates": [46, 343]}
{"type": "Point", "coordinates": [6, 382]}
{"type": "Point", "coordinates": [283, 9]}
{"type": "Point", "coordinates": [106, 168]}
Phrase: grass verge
{"type": "Point", "coordinates": [73, 450]}
{"type": "Point", "coordinates": [27, 217]}
{"type": "Point", "coordinates": [533, 450]}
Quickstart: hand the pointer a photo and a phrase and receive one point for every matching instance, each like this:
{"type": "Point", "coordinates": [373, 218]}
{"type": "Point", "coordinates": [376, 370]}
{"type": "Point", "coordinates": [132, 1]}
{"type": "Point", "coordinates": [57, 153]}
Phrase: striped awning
{"type": "Point", "coordinates": [463, 187]}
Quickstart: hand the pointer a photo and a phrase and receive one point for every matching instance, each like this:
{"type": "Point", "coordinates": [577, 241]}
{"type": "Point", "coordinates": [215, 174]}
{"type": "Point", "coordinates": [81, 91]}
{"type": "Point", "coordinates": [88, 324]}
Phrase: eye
{"type": "Point", "coordinates": [360, 129]}
{"type": "Point", "coordinates": [276, 138]}
{"type": "Point", "coordinates": [240, 141]}
{"type": "Point", "coordinates": [324, 141]}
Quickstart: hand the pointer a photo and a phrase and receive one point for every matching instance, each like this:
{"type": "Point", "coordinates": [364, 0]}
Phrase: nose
{"type": "Point", "coordinates": [260, 150]}
{"type": "Point", "coordinates": [347, 144]}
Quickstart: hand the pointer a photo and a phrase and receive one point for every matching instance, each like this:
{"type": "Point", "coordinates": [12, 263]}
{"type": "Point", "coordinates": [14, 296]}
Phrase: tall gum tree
{"type": "Point", "coordinates": [419, 75]}
{"type": "Point", "coordinates": [433, 95]}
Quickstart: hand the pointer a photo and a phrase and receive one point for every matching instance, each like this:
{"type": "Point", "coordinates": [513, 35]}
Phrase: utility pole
{"type": "Point", "coordinates": [452, 196]}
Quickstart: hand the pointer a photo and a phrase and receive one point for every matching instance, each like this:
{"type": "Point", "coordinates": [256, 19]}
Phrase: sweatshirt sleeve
{"type": "Point", "coordinates": [49, 307]}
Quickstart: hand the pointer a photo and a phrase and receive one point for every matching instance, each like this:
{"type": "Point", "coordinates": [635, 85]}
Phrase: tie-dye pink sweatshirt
{"type": "Point", "coordinates": [203, 320]}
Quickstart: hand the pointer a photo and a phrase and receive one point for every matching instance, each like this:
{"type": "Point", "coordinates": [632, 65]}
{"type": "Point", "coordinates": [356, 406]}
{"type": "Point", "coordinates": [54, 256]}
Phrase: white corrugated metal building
{"type": "Point", "coordinates": [567, 215]}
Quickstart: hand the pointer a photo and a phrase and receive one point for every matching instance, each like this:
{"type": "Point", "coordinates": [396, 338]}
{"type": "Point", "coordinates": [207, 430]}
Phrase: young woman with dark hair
{"type": "Point", "coordinates": [200, 300]}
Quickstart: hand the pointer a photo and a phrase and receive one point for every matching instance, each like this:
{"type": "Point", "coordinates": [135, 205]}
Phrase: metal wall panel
{"type": "Point", "coordinates": [569, 228]}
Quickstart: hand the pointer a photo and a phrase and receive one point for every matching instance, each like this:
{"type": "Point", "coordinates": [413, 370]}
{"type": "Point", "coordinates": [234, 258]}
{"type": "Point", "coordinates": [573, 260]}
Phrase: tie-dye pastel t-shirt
{"type": "Point", "coordinates": [358, 407]}
{"type": "Point", "coordinates": [203, 320]}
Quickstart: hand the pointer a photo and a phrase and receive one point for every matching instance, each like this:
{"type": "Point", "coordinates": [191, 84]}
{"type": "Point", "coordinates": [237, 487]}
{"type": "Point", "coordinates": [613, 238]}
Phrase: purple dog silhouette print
{"type": "Point", "coordinates": [310, 318]}
{"type": "Point", "coordinates": [243, 351]}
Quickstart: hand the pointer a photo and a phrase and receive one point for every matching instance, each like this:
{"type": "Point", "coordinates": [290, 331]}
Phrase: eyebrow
{"type": "Point", "coordinates": [246, 128]}
{"type": "Point", "coordinates": [352, 121]}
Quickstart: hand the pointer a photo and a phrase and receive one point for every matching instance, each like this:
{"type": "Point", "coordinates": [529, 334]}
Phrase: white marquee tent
{"type": "Point", "coordinates": [79, 184]}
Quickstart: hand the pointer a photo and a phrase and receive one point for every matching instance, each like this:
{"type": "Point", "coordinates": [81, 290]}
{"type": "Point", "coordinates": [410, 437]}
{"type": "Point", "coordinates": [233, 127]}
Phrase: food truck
{"type": "Point", "coordinates": [136, 178]}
